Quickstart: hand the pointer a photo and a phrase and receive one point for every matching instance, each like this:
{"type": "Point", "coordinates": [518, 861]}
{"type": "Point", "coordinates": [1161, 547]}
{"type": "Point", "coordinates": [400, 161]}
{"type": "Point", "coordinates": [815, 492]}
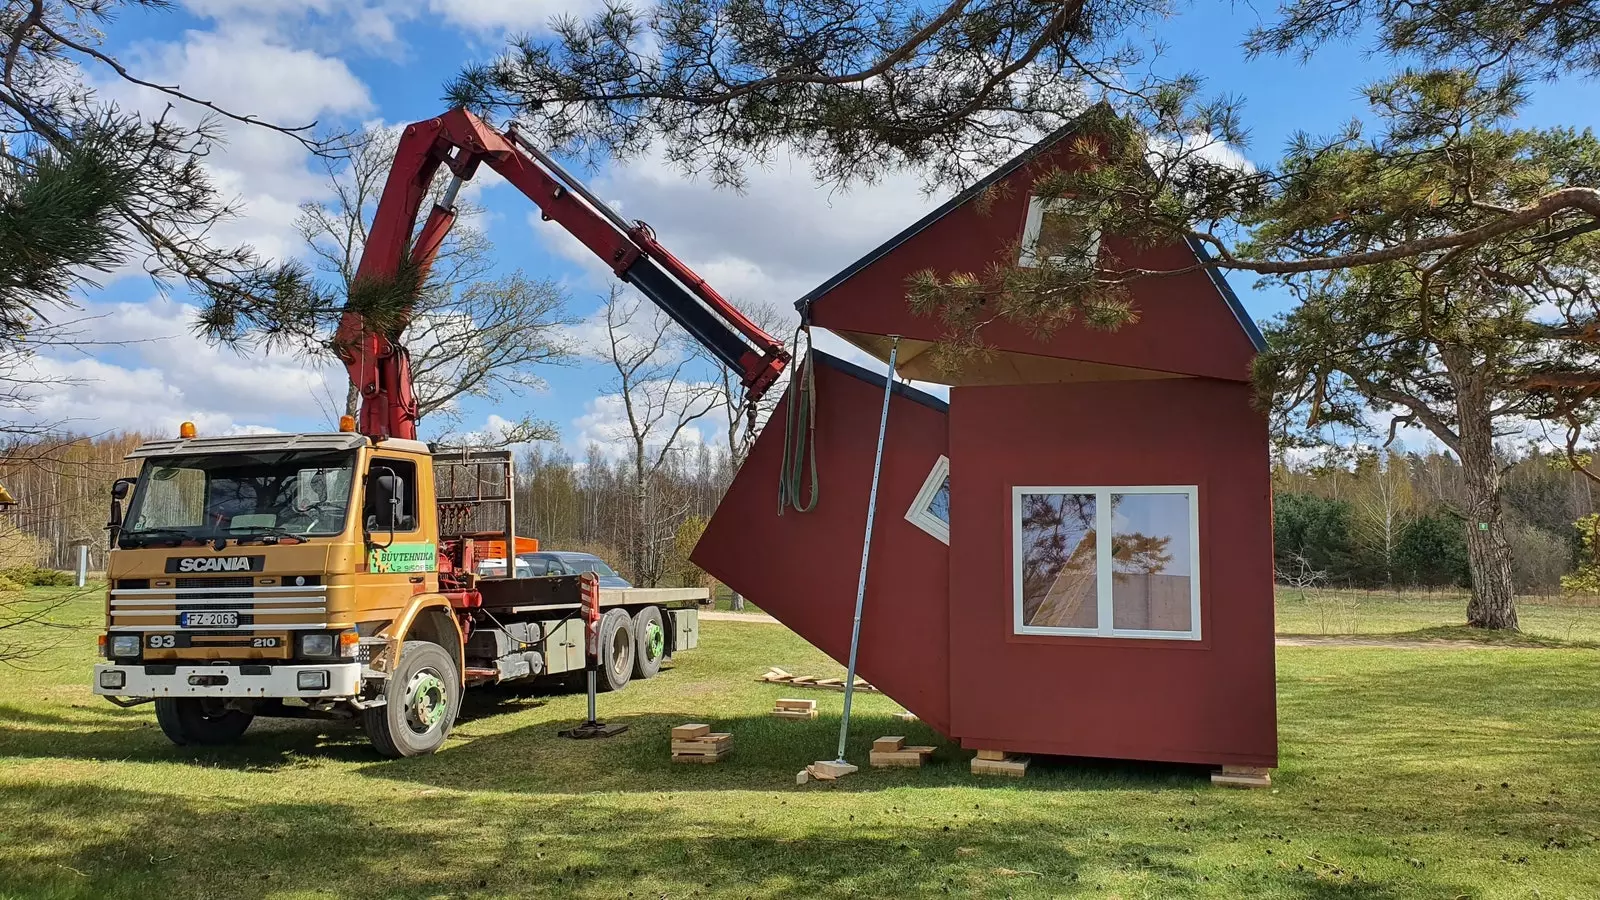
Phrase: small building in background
{"type": "Point", "coordinates": [1072, 556]}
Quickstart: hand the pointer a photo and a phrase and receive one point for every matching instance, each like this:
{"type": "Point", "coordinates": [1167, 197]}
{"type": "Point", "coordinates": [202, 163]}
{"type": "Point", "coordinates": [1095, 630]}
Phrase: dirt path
{"type": "Point", "coordinates": [1295, 641]}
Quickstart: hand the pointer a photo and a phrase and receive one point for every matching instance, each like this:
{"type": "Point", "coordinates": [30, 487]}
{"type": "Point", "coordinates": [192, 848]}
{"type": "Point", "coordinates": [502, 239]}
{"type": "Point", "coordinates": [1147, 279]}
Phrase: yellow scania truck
{"type": "Point", "coordinates": [299, 575]}
{"type": "Point", "coordinates": [334, 575]}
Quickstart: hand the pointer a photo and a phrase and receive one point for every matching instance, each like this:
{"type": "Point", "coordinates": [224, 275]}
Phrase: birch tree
{"type": "Point", "coordinates": [661, 402]}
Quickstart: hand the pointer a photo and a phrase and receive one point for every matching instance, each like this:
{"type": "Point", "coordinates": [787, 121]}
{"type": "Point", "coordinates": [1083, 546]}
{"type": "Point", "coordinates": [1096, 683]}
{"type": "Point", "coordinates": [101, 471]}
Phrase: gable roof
{"type": "Point", "coordinates": [1007, 168]}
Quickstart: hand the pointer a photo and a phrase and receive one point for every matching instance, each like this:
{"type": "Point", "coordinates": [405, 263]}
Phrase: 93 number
{"type": "Point", "coordinates": [163, 641]}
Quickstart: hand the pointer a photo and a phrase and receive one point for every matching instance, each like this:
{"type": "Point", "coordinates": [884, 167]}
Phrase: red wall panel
{"type": "Point", "coordinates": [1210, 701]}
{"type": "Point", "coordinates": [802, 567]}
{"type": "Point", "coordinates": [1184, 326]}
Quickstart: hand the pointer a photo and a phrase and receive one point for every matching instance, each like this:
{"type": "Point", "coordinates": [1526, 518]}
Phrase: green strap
{"type": "Point", "coordinates": [800, 434]}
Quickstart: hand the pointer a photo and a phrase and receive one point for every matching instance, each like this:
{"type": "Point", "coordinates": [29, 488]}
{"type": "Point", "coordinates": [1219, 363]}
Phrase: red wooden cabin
{"type": "Point", "coordinates": [1074, 555]}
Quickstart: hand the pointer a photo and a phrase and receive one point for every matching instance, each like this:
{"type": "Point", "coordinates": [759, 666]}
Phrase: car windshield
{"type": "Point", "coordinates": [593, 564]}
{"type": "Point", "coordinates": [240, 495]}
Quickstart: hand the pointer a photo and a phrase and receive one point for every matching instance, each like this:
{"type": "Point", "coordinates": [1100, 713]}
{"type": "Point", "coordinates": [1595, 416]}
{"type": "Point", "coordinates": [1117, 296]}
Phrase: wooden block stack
{"type": "Point", "coordinates": [823, 770]}
{"type": "Point", "coordinates": [999, 762]}
{"type": "Point", "coordinates": [696, 743]}
{"type": "Point", "coordinates": [795, 709]}
{"type": "Point", "coordinates": [1242, 776]}
{"type": "Point", "coordinates": [892, 751]}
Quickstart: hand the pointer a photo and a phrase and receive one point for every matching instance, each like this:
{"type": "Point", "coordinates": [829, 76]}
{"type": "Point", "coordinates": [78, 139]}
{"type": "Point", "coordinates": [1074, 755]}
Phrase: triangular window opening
{"type": "Point", "coordinates": [1059, 222]}
{"type": "Point", "coordinates": [930, 511]}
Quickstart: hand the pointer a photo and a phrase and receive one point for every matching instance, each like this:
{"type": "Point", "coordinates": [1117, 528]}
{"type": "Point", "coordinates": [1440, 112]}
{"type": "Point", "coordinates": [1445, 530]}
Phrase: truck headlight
{"type": "Point", "coordinates": [312, 681]}
{"type": "Point", "coordinates": [316, 645]}
{"type": "Point", "coordinates": [113, 679]}
{"type": "Point", "coordinates": [125, 645]}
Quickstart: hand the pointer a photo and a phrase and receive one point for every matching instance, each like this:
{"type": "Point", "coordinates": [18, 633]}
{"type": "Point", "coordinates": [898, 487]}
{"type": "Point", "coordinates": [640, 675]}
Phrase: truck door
{"type": "Point", "coordinates": [402, 557]}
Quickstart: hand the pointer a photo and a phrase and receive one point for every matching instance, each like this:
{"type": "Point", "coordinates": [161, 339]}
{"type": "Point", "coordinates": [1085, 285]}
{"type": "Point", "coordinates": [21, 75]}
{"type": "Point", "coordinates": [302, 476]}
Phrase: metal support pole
{"type": "Point", "coordinates": [866, 547]}
{"type": "Point", "coordinates": [83, 564]}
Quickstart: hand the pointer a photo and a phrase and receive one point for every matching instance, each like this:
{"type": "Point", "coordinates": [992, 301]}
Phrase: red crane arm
{"type": "Point", "coordinates": [460, 141]}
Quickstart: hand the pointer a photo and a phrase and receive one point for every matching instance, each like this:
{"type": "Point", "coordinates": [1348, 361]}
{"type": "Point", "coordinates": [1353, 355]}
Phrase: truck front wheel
{"type": "Point", "coordinates": [201, 721]}
{"type": "Point", "coordinates": [421, 702]}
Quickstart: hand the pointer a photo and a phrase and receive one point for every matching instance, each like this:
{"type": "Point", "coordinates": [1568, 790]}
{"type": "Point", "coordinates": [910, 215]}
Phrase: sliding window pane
{"type": "Point", "coordinates": [1152, 562]}
{"type": "Point", "coordinates": [1059, 583]}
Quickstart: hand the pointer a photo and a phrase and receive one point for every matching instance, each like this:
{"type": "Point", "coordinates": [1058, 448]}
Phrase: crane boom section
{"type": "Point", "coordinates": [460, 141]}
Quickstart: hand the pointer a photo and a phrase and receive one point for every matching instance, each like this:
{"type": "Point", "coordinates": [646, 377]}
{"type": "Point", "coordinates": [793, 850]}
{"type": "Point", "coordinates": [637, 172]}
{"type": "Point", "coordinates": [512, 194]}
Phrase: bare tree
{"type": "Point", "coordinates": [472, 334]}
{"type": "Point", "coordinates": [660, 403]}
{"type": "Point", "coordinates": [1382, 504]}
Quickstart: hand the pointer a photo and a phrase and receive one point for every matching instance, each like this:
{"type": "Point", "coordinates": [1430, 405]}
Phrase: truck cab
{"type": "Point", "coordinates": [307, 575]}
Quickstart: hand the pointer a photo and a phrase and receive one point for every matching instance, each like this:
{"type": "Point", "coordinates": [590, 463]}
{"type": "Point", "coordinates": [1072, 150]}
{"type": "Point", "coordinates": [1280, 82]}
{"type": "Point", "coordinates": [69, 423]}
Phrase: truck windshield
{"type": "Point", "coordinates": [238, 495]}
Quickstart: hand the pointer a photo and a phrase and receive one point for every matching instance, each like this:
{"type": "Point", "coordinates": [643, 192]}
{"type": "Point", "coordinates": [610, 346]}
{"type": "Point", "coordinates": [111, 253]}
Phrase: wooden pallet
{"type": "Point", "coordinates": [699, 744]}
{"type": "Point", "coordinates": [998, 762]}
{"type": "Point", "coordinates": [1242, 776]}
{"type": "Point", "coordinates": [890, 752]}
{"type": "Point", "coordinates": [824, 770]}
{"type": "Point", "coordinates": [788, 708]}
{"type": "Point", "coordinates": [776, 675]}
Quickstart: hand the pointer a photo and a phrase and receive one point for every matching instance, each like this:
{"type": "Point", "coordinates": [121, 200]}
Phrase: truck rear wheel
{"type": "Point", "coordinates": [616, 650]}
{"type": "Point", "coordinates": [423, 697]}
{"type": "Point", "coordinates": [650, 639]}
{"type": "Point", "coordinates": [202, 721]}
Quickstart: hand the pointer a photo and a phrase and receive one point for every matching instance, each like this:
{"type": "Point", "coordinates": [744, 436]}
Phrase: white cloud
{"type": "Point", "coordinates": [168, 376]}
{"type": "Point", "coordinates": [604, 424]}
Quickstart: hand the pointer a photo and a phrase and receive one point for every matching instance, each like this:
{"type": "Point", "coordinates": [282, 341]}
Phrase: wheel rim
{"type": "Point", "coordinates": [655, 641]}
{"type": "Point", "coordinates": [427, 701]}
{"type": "Point", "coordinates": [621, 652]}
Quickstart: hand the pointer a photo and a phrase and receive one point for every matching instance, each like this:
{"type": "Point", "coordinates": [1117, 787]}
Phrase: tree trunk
{"type": "Point", "coordinates": [738, 602]}
{"type": "Point", "coordinates": [352, 400]}
{"type": "Point", "coordinates": [1493, 603]}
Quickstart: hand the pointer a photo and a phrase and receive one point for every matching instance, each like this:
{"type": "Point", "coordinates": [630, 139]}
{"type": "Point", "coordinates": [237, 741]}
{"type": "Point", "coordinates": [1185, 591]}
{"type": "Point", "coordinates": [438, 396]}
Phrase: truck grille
{"type": "Point", "coordinates": [262, 608]}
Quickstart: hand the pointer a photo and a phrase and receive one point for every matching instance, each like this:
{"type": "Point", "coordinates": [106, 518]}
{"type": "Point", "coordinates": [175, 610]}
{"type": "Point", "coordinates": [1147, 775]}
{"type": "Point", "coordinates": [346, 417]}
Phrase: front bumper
{"type": "Point", "coordinates": [344, 680]}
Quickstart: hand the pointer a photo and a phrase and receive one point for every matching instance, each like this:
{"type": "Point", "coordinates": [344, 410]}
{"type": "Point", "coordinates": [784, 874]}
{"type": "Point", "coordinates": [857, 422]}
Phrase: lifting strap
{"type": "Point", "coordinates": [800, 431]}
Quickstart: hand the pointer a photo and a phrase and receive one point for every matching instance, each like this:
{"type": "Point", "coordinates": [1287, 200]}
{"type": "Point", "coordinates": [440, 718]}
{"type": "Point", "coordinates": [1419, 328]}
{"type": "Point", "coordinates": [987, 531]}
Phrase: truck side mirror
{"type": "Point", "coordinates": [119, 491]}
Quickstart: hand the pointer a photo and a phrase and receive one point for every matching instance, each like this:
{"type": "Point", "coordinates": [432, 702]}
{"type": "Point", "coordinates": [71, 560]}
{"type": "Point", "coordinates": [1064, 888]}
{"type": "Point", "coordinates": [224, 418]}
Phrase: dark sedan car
{"type": "Point", "coordinates": [569, 562]}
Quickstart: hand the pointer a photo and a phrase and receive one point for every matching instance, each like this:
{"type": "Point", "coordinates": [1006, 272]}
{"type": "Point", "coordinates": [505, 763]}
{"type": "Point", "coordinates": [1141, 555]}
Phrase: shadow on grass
{"type": "Point", "coordinates": [767, 752]}
{"type": "Point", "coordinates": [112, 843]}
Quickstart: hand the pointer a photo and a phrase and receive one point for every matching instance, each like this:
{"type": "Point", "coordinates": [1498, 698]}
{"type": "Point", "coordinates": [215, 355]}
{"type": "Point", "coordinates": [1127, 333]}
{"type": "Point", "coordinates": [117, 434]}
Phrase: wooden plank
{"type": "Point", "coordinates": [780, 676]}
{"type": "Point", "coordinates": [1242, 776]}
{"type": "Point", "coordinates": [888, 744]}
{"type": "Point", "coordinates": [910, 757]}
{"type": "Point", "coordinates": [1015, 767]}
{"type": "Point", "coordinates": [697, 758]}
{"type": "Point", "coordinates": [690, 732]}
{"type": "Point", "coordinates": [711, 743]}
{"type": "Point", "coordinates": [795, 703]}
{"type": "Point", "coordinates": [828, 770]}
{"type": "Point", "coordinates": [794, 714]}
{"type": "Point", "coordinates": [991, 754]}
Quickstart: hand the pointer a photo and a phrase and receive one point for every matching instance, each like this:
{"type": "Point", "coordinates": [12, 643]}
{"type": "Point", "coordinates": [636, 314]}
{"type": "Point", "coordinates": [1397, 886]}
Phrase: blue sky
{"type": "Point", "coordinates": [353, 61]}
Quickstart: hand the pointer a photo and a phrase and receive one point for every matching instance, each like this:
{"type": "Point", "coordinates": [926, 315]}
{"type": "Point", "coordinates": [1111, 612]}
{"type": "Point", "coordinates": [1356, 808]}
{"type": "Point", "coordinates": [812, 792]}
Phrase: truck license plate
{"type": "Point", "coordinates": [209, 620]}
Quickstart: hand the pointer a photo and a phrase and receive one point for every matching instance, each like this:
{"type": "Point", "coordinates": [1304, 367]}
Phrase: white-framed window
{"type": "Point", "coordinates": [1106, 561]}
{"type": "Point", "coordinates": [931, 510]}
{"type": "Point", "coordinates": [1058, 222]}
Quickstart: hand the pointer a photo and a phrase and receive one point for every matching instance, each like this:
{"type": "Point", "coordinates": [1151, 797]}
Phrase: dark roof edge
{"type": "Point", "coordinates": [1221, 282]}
{"type": "Point", "coordinates": [944, 209]}
{"type": "Point", "coordinates": [865, 374]}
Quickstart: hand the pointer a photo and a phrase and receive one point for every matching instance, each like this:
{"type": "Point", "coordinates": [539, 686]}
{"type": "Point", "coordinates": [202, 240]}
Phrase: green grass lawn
{"type": "Point", "coordinates": [1347, 612]}
{"type": "Point", "coordinates": [1405, 773]}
